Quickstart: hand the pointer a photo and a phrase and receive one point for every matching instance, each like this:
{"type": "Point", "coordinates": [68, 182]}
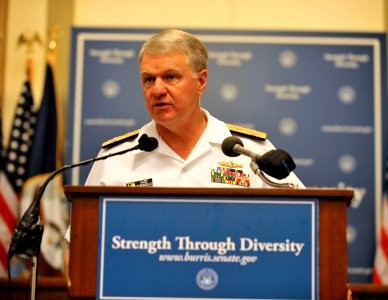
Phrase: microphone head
{"type": "Point", "coordinates": [229, 143]}
{"type": "Point", "coordinates": [147, 143]}
{"type": "Point", "coordinates": [276, 163]}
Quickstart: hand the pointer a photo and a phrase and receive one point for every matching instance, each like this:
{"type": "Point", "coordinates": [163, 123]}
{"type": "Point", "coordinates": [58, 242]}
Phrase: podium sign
{"type": "Point", "coordinates": [206, 247]}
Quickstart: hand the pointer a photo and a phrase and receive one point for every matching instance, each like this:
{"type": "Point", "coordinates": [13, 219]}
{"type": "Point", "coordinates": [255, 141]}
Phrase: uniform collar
{"type": "Point", "coordinates": [216, 131]}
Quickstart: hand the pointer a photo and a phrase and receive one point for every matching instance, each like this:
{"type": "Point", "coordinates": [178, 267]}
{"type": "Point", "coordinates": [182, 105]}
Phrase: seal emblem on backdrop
{"type": "Point", "coordinates": [207, 279]}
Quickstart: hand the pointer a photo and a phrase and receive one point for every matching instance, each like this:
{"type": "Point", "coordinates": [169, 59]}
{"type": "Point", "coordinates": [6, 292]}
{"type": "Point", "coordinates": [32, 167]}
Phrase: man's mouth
{"type": "Point", "coordinates": [161, 104]}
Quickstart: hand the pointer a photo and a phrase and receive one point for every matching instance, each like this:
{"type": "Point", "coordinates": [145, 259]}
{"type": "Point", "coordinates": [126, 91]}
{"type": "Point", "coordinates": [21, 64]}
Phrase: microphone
{"type": "Point", "coordinates": [146, 143]}
{"type": "Point", "coordinates": [276, 163]}
{"type": "Point", "coordinates": [27, 235]}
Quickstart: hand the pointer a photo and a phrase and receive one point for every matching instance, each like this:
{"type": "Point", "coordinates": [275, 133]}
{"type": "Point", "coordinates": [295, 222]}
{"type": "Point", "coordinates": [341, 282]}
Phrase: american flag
{"type": "Point", "coordinates": [380, 271]}
{"type": "Point", "coordinates": [46, 157]}
{"type": "Point", "coordinates": [8, 211]}
{"type": "Point", "coordinates": [14, 166]}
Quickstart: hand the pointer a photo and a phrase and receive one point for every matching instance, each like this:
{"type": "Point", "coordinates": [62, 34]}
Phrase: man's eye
{"type": "Point", "coordinates": [149, 79]}
{"type": "Point", "coordinates": [171, 77]}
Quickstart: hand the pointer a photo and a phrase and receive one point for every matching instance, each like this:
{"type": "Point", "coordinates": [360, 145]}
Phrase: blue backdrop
{"type": "Point", "coordinates": [320, 96]}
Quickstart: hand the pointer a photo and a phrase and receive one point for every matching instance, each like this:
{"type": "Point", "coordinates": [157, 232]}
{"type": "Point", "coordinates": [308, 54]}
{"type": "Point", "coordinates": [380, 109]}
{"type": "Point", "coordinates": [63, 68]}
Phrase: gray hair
{"type": "Point", "coordinates": [175, 41]}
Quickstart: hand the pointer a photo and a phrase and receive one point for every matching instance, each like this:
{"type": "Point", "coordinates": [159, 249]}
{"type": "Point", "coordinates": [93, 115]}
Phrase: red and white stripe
{"type": "Point", "coordinates": [380, 272]}
{"type": "Point", "coordinates": [8, 219]}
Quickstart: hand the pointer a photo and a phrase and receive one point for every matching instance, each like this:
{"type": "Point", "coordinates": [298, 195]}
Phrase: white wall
{"type": "Point", "coordinates": [304, 15]}
{"type": "Point", "coordinates": [23, 16]}
{"type": "Point", "coordinates": [328, 15]}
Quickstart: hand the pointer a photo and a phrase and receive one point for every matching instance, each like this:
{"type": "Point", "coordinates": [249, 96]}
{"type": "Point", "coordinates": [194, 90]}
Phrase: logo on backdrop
{"type": "Point", "coordinates": [287, 126]}
{"type": "Point", "coordinates": [207, 279]}
{"type": "Point", "coordinates": [229, 92]}
{"type": "Point", "coordinates": [347, 94]}
{"type": "Point", "coordinates": [287, 59]}
{"type": "Point", "coordinates": [110, 89]}
{"type": "Point", "coordinates": [347, 163]}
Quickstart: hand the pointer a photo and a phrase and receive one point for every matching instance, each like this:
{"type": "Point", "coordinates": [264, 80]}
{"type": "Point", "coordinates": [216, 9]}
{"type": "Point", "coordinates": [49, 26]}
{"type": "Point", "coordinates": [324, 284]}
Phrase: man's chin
{"type": "Point", "coordinates": [164, 116]}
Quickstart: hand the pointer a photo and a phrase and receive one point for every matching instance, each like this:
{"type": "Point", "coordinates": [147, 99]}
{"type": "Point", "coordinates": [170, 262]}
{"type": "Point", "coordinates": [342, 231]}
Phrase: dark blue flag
{"type": "Point", "coordinates": [44, 148]}
{"type": "Point", "coordinates": [46, 152]}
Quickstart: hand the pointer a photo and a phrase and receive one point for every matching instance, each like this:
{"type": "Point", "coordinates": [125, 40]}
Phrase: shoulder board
{"type": "Point", "coordinates": [255, 134]}
{"type": "Point", "coordinates": [120, 139]}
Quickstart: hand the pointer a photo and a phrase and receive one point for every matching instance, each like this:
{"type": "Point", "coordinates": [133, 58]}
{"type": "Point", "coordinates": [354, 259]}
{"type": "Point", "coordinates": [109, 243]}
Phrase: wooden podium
{"type": "Point", "coordinates": [332, 207]}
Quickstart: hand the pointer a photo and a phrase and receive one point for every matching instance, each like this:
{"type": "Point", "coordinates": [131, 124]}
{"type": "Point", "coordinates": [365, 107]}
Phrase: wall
{"type": "Point", "coordinates": [23, 17]}
{"type": "Point", "coordinates": [331, 15]}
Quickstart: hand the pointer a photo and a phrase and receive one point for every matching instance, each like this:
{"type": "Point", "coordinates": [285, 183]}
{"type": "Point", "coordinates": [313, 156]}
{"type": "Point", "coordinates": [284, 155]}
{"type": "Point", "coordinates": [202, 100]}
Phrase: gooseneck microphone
{"type": "Point", "coordinates": [28, 233]}
{"type": "Point", "coordinates": [232, 146]}
{"type": "Point", "coordinates": [275, 163]}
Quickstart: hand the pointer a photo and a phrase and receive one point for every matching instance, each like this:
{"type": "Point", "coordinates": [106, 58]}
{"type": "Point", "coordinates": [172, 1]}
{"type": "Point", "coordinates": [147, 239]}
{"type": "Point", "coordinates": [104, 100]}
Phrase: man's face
{"type": "Point", "coordinates": [171, 90]}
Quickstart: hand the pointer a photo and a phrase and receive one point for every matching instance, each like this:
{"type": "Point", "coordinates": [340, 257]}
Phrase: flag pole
{"type": "Point", "coordinates": [34, 277]}
{"type": "Point", "coordinates": [51, 59]}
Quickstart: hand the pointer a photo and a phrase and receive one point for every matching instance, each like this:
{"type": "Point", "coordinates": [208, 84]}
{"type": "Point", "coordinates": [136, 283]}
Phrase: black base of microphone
{"type": "Point", "coordinates": [255, 168]}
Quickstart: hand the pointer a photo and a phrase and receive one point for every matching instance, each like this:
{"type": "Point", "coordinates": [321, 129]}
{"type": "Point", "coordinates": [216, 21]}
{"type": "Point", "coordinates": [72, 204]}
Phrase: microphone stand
{"type": "Point", "coordinates": [255, 168]}
{"type": "Point", "coordinates": [27, 236]}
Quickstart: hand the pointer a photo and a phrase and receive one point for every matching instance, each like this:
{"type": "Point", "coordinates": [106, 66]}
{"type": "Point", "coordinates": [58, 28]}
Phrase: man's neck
{"type": "Point", "coordinates": [183, 139]}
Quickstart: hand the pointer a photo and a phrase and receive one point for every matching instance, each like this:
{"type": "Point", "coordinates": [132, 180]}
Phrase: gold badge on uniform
{"type": "Point", "coordinates": [230, 173]}
{"type": "Point", "coordinates": [140, 183]}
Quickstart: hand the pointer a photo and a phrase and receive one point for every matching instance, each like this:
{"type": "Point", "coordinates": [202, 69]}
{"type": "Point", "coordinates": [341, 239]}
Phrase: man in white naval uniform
{"type": "Point", "coordinates": [164, 168]}
{"type": "Point", "coordinates": [173, 73]}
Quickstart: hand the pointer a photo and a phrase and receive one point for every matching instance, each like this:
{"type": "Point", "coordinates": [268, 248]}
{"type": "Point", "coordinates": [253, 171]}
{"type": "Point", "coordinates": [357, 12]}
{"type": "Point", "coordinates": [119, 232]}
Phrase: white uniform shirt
{"type": "Point", "coordinates": [167, 169]}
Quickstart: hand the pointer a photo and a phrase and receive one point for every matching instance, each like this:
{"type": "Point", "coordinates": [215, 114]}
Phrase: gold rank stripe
{"type": "Point", "coordinates": [120, 139]}
{"type": "Point", "coordinates": [248, 132]}
{"type": "Point", "coordinates": [229, 164]}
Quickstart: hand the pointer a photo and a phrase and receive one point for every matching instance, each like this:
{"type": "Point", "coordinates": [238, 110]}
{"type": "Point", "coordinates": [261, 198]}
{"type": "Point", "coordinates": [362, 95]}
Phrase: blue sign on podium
{"type": "Point", "coordinates": [163, 247]}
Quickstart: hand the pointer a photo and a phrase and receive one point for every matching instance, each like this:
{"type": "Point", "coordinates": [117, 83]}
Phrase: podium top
{"type": "Point", "coordinates": [320, 193]}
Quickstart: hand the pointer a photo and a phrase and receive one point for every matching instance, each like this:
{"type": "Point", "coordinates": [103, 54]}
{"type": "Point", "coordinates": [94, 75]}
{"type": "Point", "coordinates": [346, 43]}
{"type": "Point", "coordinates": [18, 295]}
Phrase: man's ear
{"type": "Point", "coordinates": [202, 81]}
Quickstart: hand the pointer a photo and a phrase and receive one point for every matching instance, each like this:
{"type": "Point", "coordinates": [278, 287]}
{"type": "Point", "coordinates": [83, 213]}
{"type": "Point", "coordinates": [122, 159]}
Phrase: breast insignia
{"type": "Point", "coordinates": [229, 173]}
{"type": "Point", "coordinates": [252, 133]}
{"type": "Point", "coordinates": [120, 139]}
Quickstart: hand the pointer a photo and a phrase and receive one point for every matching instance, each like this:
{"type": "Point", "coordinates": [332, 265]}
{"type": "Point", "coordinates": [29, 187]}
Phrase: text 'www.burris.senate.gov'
{"type": "Point", "coordinates": [243, 260]}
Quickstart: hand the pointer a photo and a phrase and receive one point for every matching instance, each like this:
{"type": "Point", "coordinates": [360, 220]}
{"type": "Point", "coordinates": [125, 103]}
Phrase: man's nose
{"type": "Point", "coordinates": [159, 88]}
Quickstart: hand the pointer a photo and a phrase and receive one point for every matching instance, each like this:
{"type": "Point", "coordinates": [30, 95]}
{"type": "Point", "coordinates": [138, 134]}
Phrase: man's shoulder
{"type": "Point", "coordinates": [247, 132]}
{"type": "Point", "coordinates": [130, 136]}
